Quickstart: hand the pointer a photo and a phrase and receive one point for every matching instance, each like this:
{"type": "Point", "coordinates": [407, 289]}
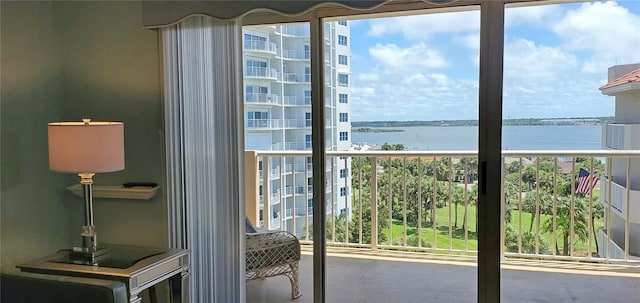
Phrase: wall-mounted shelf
{"type": "Point", "coordinates": [117, 192]}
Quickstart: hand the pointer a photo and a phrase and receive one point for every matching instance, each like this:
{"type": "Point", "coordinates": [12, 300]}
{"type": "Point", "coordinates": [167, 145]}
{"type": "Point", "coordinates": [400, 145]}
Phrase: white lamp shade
{"type": "Point", "coordinates": [91, 147]}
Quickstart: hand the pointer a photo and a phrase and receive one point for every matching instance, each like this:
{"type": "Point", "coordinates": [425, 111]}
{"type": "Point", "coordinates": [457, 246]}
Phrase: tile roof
{"type": "Point", "coordinates": [632, 77]}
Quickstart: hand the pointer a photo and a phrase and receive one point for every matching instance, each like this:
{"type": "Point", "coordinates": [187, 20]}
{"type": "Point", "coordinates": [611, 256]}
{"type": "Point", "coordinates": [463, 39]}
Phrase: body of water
{"type": "Point", "coordinates": [466, 137]}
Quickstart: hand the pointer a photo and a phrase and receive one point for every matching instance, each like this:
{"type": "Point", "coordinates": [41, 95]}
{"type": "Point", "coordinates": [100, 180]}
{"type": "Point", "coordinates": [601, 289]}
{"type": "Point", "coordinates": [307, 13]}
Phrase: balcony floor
{"type": "Point", "coordinates": [354, 276]}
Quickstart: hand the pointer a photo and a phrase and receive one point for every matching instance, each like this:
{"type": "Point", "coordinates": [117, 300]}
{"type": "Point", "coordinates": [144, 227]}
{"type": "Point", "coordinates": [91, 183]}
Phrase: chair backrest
{"type": "Point", "coordinates": [249, 226]}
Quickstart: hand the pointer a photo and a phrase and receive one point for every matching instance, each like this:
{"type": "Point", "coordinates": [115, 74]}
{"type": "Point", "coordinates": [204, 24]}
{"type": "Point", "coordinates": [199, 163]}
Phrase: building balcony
{"type": "Point", "coordinates": [291, 168]}
{"type": "Point", "coordinates": [297, 123]}
{"type": "Point", "coordinates": [299, 212]}
{"type": "Point", "coordinates": [297, 30]}
{"type": "Point", "coordinates": [294, 54]}
{"type": "Point", "coordinates": [619, 195]}
{"type": "Point", "coordinates": [296, 78]}
{"type": "Point", "coordinates": [296, 101]}
{"type": "Point", "coordinates": [354, 276]}
{"type": "Point", "coordinates": [261, 73]}
{"type": "Point", "coordinates": [260, 98]}
{"type": "Point", "coordinates": [263, 124]}
{"type": "Point", "coordinates": [283, 146]}
{"type": "Point", "coordinates": [608, 248]}
{"type": "Point", "coordinates": [260, 46]}
{"type": "Point", "coordinates": [441, 218]}
{"type": "Point", "coordinates": [621, 136]}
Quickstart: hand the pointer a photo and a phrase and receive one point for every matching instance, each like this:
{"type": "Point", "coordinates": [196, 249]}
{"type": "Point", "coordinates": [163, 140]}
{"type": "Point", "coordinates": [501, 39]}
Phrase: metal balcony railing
{"type": "Point", "coordinates": [261, 72]}
{"type": "Point", "coordinates": [285, 146]}
{"type": "Point", "coordinates": [426, 201]}
{"type": "Point", "coordinates": [296, 77]}
{"type": "Point", "coordinates": [298, 30]}
{"type": "Point", "coordinates": [294, 100]}
{"type": "Point", "coordinates": [261, 98]}
{"type": "Point", "coordinates": [620, 136]}
{"type": "Point", "coordinates": [262, 123]}
{"type": "Point", "coordinates": [297, 123]}
{"type": "Point", "coordinates": [262, 46]}
{"type": "Point", "coordinates": [296, 54]}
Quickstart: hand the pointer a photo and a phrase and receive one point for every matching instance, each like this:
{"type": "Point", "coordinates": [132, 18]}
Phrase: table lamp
{"type": "Point", "coordinates": [86, 148]}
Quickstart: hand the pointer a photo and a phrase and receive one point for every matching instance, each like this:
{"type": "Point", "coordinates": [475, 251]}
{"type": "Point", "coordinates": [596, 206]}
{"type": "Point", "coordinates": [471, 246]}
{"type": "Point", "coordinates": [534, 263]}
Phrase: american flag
{"type": "Point", "coordinates": [586, 182]}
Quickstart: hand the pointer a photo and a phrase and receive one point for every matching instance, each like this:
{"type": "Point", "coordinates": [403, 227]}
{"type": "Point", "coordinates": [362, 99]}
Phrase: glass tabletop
{"type": "Point", "coordinates": [119, 257]}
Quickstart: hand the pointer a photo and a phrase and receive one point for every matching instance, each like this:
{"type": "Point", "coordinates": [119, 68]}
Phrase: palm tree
{"type": "Point", "coordinates": [563, 222]}
{"type": "Point", "coordinates": [596, 213]}
{"type": "Point", "coordinates": [529, 204]}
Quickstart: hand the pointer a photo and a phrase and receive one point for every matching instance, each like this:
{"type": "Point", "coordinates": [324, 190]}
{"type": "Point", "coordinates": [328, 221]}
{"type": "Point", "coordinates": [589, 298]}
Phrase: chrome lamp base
{"type": "Point", "coordinates": [89, 252]}
{"type": "Point", "coordinates": [92, 254]}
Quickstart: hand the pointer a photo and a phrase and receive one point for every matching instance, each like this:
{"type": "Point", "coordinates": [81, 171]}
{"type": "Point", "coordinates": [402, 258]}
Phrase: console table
{"type": "Point", "coordinates": [139, 268]}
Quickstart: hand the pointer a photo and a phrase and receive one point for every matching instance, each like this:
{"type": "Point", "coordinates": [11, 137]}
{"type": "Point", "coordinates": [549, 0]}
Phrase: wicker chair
{"type": "Point", "coordinates": [271, 254]}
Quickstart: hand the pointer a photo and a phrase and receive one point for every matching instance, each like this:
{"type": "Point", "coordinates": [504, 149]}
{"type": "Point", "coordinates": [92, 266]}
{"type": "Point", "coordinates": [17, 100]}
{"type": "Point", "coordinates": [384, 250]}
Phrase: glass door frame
{"type": "Point", "coordinates": [489, 136]}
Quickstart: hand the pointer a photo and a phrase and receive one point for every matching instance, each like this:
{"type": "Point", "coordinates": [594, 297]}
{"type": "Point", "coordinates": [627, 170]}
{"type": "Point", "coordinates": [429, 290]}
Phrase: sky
{"type": "Point", "coordinates": [425, 67]}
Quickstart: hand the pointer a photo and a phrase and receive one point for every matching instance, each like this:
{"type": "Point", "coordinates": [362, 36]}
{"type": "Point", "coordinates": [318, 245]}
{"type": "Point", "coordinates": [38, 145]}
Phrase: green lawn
{"type": "Point", "coordinates": [458, 237]}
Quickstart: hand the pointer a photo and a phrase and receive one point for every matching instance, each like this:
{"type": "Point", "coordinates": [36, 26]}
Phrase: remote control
{"type": "Point", "coordinates": [144, 184]}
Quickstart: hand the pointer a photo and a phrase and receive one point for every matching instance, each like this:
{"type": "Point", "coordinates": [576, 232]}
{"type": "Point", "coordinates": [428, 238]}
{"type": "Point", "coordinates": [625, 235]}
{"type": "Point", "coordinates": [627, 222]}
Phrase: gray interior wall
{"type": "Point", "coordinates": [111, 73]}
{"type": "Point", "coordinates": [35, 216]}
{"type": "Point", "coordinates": [66, 61]}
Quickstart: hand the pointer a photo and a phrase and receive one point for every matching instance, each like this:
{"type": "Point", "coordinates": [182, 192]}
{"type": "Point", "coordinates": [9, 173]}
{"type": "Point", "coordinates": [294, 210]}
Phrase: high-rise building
{"type": "Point", "coordinates": [277, 90]}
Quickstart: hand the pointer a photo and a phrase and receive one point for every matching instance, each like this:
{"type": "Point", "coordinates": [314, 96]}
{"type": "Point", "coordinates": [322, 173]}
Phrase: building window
{"type": "Point", "coordinates": [257, 119]}
{"type": "Point", "coordinates": [255, 68]}
{"type": "Point", "coordinates": [307, 74]}
{"type": "Point", "coordinates": [257, 115]}
{"type": "Point", "coordinates": [343, 173]}
{"type": "Point", "coordinates": [255, 42]}
{"type": "Point", "coordinates": [343, 79]}
{"type": "Point", "coordinates": [307, 141]}
{"type": "Point", "coordinates": [342, 59]}
{"type": "Point", "coordinates": [342, 40]}
{"type": "Point", "coordinates": [307, 51]}
{"type": "Point", "coordinates": [256, 89]}
{"type": "Point", "coordinates": [343, 98]}
{"type": "Point", "coordinates": [343, 22]}
{"type": "Point", "coordinates": [255, 63]}
{"type": "Point", "coordinates": [256, 93]}
{"type": "Point", "coordinates": [307, 119]}
{"type": "Point", "coordinates": [344, 136]}
{"type": "Point", "coordinates": [249, 37]}
{"type": "Point", "coordinates": [307, 97]}
{"type": "Point", "coordinates": [343, 191]}
{"type": "Point", "coordinates": [344, 117]}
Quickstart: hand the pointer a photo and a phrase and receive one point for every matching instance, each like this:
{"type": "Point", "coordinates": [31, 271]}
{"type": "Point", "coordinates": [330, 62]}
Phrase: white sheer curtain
{"type": "Point", "coordinates": [204, 142]}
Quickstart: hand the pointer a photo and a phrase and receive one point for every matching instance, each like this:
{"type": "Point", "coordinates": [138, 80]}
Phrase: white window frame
{"type": "Point", "coordinates": [343, 60]}
{"type": "Point", "coordinates": [340, 77]}
{"type": "Point", "coordinates": [342, 40]}
{"type": "Point", "coordinates": [346, 98]}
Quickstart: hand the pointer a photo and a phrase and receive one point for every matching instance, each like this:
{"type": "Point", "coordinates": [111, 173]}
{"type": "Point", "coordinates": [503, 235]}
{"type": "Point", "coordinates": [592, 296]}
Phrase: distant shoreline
{"type": "Point", "coordinates": [376, 130]}
{"type": "Point", "coordinates": [580, 121]}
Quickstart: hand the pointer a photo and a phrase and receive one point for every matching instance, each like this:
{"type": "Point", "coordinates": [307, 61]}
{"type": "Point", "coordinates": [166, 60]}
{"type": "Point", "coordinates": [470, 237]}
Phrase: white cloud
{"type": "Point", "coordinates": [398, 95]}
{"type": "Point", "coordinates": [407, 83]}
{"type": "Point", "coordinates": [420, 27]}
{"type": "Point", "coordinates": [416, 56]}
{"type": "Point", "coordinates": [539, 16]}
{"type": "Point", "coordinates": [524, 61]}
{"type": "Point", "coordinates": [607, 29]}
{"type": "Point", "coordinates": [368, 76]}
{"type": "Point", "coordinates": [546, 56]}
{"type": "Point", "coordinates": [363, 91]}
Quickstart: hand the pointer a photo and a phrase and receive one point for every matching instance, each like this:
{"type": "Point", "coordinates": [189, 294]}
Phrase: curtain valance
{"type": "Point", "coordinates": [162, 13]}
